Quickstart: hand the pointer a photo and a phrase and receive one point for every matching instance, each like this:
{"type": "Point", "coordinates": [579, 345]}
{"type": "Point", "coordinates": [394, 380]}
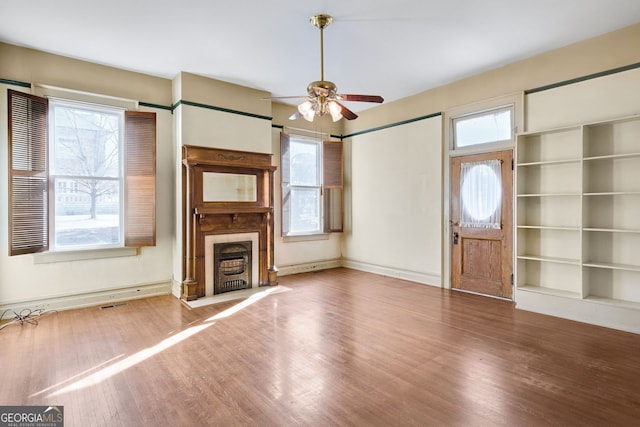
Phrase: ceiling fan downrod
{"type": "Point", "coordinates": [321, 21]}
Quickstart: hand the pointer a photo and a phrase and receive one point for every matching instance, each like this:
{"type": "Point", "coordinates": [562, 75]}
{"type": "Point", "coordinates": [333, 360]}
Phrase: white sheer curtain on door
{"type": "Point", "coordinates": [481, 194]}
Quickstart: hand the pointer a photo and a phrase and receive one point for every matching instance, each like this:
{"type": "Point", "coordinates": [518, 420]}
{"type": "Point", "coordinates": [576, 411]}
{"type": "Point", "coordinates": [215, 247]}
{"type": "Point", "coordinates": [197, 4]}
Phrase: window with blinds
{"type": "Point", "coordinates": [82, 176]}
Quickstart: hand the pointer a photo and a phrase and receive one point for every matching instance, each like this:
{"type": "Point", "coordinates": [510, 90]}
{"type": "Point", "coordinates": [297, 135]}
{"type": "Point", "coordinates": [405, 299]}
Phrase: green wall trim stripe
{"type": "Point", "coordinates": [404, 122]}
{"type": "Point", "coordinates": [224, 110]}
{"type": "Point", "coordinates": [15, 83]}
{"type": "Point", "coordinates": [161, 107]}
{"type": "Point", "coordinates": [583, 78]}
{"type": "Point", "coordinates": [281, 127]}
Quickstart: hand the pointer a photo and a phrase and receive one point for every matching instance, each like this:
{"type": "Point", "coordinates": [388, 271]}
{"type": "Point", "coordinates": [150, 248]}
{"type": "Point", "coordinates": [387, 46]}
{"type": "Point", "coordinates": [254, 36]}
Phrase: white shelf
{"type": "Point", "coordinates": [556, 260]}
{"type": "Point", "coordinates": [550, 147]}
{"type": "Point", "coordinates": [549, 195]}
{"type": "Point", "coordinates": [578, 216]}
{"type": "Point", "coordinates": [550, 291]}
{"type": "Point", "coordinates": [550, 162]}
{"type": "Point", "coordinates": [613, 156]}
{"type": "Point", "coordinates": [549, 227]}
{"type": "Point", "coordinates": [612, 266]}
{"type": "Point", "coordinates": [614, 193]}
{"type": "Point", "coordinates": [610, 230]}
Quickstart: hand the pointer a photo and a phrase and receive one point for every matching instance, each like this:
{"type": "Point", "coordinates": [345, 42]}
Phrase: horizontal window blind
{"type": "Point", "coordinates": [333, 186]}
{"type": "Point", "coordinates": [140, 178]}
{"type": "Point", "coordinates": [28, 173]}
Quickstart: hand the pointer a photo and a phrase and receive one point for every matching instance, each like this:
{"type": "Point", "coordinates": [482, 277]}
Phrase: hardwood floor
{"type": "Point", "coordinates": [337, 347]}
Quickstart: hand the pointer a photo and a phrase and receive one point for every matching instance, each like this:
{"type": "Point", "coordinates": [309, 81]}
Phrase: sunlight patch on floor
{"type": "Point", "coordinates": [141, 356]}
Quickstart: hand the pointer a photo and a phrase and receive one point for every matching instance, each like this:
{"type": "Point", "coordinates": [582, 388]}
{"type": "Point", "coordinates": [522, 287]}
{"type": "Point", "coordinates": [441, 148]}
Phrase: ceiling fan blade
{"type": "Point", "coordinates": [361, 98]}
{"type": "Point", "coordinates": [295, 116]}
{"type": "Point", "coordinates": [346, 113]}
{"type": "Point", "coordinates": [284, 97]}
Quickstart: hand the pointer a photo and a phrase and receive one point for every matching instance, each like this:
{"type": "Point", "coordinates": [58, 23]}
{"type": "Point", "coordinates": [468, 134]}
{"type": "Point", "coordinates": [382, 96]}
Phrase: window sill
{"type": "Point", "coordinates": [306, 237]}
{"type": "Point", "coordinates": [66, 256]}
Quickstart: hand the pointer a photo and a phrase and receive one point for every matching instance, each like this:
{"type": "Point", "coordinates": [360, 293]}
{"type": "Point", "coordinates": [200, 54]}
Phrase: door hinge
{"type": "Point", "coordinates": [511, 279]}
{"type": "Point", "coordinates": [512, 164]}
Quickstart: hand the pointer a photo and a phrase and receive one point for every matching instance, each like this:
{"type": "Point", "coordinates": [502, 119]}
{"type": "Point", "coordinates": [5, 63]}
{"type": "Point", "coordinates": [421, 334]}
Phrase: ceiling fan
{"type": "Point", "coordinates": [322, 95]}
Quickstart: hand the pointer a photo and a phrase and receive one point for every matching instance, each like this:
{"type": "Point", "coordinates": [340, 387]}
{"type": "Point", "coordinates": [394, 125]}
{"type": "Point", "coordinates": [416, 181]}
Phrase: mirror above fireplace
{"type": "Point", "coordinates": [229, 187]}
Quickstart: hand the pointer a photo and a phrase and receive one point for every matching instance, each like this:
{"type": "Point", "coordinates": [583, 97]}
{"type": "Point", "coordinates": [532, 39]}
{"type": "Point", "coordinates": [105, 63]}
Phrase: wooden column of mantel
{"type": "Point", "coordinates": [204, 218]}
{"type": "Point", "coordinates": [189, 284]}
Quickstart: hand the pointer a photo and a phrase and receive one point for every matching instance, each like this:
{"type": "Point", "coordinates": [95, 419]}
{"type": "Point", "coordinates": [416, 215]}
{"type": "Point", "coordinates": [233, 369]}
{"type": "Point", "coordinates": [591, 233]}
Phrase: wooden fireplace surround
{"type": "Point", "coordinates": [202, 218]}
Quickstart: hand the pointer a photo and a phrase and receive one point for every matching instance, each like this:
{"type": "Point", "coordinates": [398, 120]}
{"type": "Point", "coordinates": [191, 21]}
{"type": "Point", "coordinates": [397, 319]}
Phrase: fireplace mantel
{"type": "Point", "coordinates": [203, 218]}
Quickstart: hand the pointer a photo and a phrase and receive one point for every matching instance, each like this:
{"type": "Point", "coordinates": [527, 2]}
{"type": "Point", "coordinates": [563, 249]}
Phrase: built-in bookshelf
{"type": "Point", "coordinates": [578, 213]}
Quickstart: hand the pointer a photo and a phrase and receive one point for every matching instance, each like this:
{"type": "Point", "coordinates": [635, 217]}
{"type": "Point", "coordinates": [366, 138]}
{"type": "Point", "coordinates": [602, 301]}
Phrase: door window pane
{"type": "Point", "coordinates": [481, 194]}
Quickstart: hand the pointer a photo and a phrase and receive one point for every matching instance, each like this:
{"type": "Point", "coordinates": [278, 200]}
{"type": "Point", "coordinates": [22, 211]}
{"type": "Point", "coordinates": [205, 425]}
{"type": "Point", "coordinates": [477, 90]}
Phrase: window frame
{"type": "Point", "coordinates": [29, 139]}
{"type": "Point", "coordinates": [330, 177]}
{"type": "Point", "coordinates": [480, 113]}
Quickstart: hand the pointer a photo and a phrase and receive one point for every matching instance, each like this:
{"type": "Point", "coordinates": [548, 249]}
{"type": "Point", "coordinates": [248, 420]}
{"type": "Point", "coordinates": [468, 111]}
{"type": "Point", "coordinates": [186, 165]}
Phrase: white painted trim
{"type": "Point", "coordinates": [88, 97]}
{"type": "Point", "coordinates": [430, 279]}
{"type": "Point", "coordinates": [176, 288]}
{"type": "Point", "coordinates": [581, 310]}
{"type": "Point", "coordinates": [66, 256]}
{"type": "Point", "coordinates": [109, 296]}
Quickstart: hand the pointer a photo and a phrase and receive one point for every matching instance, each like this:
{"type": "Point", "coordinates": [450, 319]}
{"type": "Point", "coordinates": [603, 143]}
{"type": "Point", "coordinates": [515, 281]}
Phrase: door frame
{"type": "Point", "coordinates": [517, 101]}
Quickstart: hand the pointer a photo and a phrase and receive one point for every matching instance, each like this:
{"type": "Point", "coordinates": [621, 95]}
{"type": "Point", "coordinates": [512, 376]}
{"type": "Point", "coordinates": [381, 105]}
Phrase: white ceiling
{"type": "Point", "coordinates": [375, 47]}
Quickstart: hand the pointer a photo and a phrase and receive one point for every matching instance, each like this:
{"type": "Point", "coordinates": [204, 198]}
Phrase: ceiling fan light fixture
{"type": "Point", "coordinates": [307, 110]}
{"type": "Point", "coordinates": [335, 110]}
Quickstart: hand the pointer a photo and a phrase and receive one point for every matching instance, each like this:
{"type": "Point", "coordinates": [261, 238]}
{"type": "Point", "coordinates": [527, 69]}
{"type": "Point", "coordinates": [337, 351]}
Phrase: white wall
{"type": "Point", "coordinates": [395, 218]}
{"type": "Point", "coordinates": [219, 129]}
{"type": "Point", "coordinates": [603, 98]}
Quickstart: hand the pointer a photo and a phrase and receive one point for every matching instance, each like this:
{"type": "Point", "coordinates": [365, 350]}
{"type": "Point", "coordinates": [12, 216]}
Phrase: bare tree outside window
{"type": "Point", "coordinates": [86, 174]}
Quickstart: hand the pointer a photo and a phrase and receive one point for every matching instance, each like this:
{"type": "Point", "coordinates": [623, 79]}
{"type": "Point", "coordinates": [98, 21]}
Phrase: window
{"type": "Point", "coordinates": [82, 176]}
{"type": "Point", "coordinates": [85, 174]}
{"type": "Point", "coordinates": [484, 127]}
{"type": "Point", "coordinates": [311, 185]}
